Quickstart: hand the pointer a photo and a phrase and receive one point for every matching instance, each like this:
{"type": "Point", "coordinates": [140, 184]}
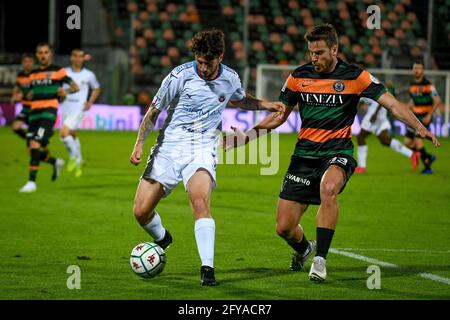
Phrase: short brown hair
{"type": "Point", "coordinates": [210, 44]}
{"type": "Point", "coordinates": [44, 44]}
{"type": "Point", "coordinates": [27, 55]}
{"type": "Point", "coordinates": [325, 32]}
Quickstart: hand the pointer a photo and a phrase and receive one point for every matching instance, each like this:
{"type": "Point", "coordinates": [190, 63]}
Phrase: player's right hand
{"type": "Point", "coordinates": [425, 134]}
{"type": "Point", "coordinates": [136, 155]}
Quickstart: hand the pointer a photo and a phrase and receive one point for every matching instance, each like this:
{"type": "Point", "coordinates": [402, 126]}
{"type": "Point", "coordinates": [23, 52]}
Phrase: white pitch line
{"type": "Point", "coordinates": [363, 258]}
{"type": "Point", "coordinates": [396, 250]}
{"type": "Point", "coordinates": [429, 276]}
{"type": "Point", "coordinates": [435, 278]}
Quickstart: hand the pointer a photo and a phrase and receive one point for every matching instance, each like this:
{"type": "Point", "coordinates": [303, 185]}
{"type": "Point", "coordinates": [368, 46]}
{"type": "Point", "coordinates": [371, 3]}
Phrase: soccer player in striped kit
{"type": "Point", "coordinates": [327, 91]}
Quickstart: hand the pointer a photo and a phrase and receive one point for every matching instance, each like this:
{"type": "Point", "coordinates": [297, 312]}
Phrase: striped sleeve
{"type": "Point", "coordinates": [370, 87]}
{"type": "Point", "coordinates": [288, 94]}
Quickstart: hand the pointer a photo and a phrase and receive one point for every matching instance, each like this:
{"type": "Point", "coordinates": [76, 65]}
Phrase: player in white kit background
{"type": "Point", "coordinates": [195, 95]}
{"type": "Point", "coordinates": [376, 121]}
{"type": "Point", "coordinates": [75, 105]}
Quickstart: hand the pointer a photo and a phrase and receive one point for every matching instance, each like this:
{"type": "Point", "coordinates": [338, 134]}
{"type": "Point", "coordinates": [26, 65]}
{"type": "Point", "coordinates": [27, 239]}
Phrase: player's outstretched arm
{"type": "Point", "coordinates": [251, 103]}
{"type": "Point", "coordinates": [147, 125]}
{"type": "Point", "coordinates": [402, 112]}
{"type": "Point", "coordinates": [272, 121]}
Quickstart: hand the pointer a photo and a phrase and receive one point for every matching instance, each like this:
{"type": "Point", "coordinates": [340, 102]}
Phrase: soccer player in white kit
{"type": "Point", "coordinates": [376, 121]}
{"type": "Point", "coordinates": [195, 95]}
{"type": "Point", "coordinates": [75, 105]}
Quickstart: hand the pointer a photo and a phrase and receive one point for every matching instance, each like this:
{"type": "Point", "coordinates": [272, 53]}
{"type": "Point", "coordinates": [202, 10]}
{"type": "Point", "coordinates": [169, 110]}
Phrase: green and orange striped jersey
{"type": "Point", "coordinates": [328, 106]}
{"type": "Point", "coordinates": [45, 84]}
{"type": "Point", "coordinates": [422, 94]}
{"type": "Point", "coordinates": [23, 82]}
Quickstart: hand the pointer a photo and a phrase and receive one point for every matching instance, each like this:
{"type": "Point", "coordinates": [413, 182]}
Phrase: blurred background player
{"type": "Point", "coordinates": [424, 102]}
{"type": "Point", "coordinates": [195, 95]}
{"type": "Point", "coordinates": [46, 81]}
{"type": "Point", "coordinates": [376, 121]}
{"type": "Point", "coordinates": [20, 92]}
{"type": "Point", "coordinates": [75, 105]}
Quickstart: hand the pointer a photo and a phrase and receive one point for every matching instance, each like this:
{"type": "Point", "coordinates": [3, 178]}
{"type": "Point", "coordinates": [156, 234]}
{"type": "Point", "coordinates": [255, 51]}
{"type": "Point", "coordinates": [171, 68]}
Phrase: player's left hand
{"type": "Point", "coordinates": [373, 118]}
{"type": "Point", "coordinates": [425, 134]}
{"type": "Point", "coordinates": [87, 105]}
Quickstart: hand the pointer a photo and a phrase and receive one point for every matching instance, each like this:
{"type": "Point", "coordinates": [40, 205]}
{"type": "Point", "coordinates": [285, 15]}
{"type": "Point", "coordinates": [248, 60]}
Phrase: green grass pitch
{"type": "Point", "coordinates": [391, 214]}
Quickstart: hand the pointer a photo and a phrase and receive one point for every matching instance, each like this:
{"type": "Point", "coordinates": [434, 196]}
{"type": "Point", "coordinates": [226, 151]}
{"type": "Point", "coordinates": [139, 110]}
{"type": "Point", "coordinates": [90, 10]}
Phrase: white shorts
{"type": "Point", "coordinates": [72, 113]}
{"type": "Point", "coordinates": [72, 120]}
{"type": "Point", "coordinates": [376, 127]}
{"type": "Point", "coordinates": [170, 165]}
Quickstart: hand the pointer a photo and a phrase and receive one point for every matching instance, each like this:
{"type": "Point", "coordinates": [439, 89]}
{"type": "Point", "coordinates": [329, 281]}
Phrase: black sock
{"type": "Point", "coordinates": [21, 133]}
{"type": "Point", "coordinates": [324, 237]}
{"type": "Point", "coordinates": [301, 246]}
{"type": "Point", "coordinates": [425, 157]}
{"type": "Point", "coordinates": [34, 164]}
{"type": "Point", "coordinates": [45, 156]}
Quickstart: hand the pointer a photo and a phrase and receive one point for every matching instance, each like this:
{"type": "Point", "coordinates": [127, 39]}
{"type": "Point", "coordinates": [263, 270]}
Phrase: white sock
{"type": "Point", "coordinates": [362, 156]}
{"type": "Point", "coordinates": [71, 147]}
{"type": "Point", "coordinates": [205, 230]}
{"type": "Point", "coordinates": [78, 150]}
{"type": "Point", "coordinates": [400, 148]}
{"type": "Point", "coordinates": [155, 228]}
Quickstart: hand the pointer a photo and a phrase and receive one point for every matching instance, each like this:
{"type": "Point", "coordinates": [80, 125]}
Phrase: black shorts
{"type": "Point", "coordinates": [24, 114]}
{"type": "Point", "coordinates": [41, 125]}
{"type": "Point", "coordinates": [302, 180]}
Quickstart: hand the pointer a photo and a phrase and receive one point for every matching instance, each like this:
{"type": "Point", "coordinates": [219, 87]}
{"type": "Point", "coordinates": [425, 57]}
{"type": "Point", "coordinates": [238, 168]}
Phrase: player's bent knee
{"type": "Point", "coordinates": [200, 206]}
{"type": "Point", "coordinates": [328, 191]}
{"type": "Point", "coordinates": [284, 231]}
{"type": "Point", "coordinates": [141, 212]}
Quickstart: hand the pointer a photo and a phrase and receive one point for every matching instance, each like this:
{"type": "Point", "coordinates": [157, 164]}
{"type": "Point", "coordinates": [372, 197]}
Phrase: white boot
{"type": "Point", "coordinates": [30, 186]}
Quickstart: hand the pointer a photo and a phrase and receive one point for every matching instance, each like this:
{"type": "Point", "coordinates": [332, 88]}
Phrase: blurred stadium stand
{"type": "Point", "coordinates": [135, 43]}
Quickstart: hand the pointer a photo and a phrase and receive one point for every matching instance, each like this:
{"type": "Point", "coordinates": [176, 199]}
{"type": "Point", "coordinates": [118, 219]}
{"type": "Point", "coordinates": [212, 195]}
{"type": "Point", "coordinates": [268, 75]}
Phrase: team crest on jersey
{"type": "Point", "coordinates": [221, 98]}
{"type": "Point", "coordinates": [339, 86]}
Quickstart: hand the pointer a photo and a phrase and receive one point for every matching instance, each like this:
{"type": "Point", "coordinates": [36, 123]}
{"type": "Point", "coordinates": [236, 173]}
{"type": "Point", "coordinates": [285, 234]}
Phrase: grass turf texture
{"type": "Point", "coordinates": [88, 222]}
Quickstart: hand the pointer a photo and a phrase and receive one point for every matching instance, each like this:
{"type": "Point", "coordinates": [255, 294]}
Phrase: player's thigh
{"type": "Point", "coordinates": [333, 181]}
{"type": "Point", "coordinates": [289, 213]}
{"type": "Point", "coordinates": [363, 134]}
{"type": "Point", "coordinates": [148, 194]}
{"type": "Point", "coordinates": [384, 137]}
{"type": "Point", "coordinates": [199, 189]}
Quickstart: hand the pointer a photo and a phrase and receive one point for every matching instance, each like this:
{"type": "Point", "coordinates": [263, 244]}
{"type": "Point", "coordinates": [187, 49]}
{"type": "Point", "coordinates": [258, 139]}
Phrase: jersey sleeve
{"type": "Point", "coordinates": [239, 94]}
{"type": "Point", "coordinates": [169, 89]}
{"type": "Point", "coordinates": [370, 87]}
{"type": "Point", "coordinates": [433, 91]}
{"type": "Point", "coordinates": [93, 82]}
{"type": "Point", "coordinates": [288, 94]}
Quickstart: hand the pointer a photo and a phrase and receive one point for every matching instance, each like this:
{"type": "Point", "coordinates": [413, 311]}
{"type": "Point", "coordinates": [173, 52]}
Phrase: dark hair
{"type": "Point", "coordinates": [324, 32]}
{"type": "Point", "coordinates": [76, 49]}
{"type": "Point", "coordinates": [27, 55]}
{"type": "Point", "coordinates": [419, 61]}
{"type": "Point", "coordinates": [210, 44]}
{"type": "Point", "coordinates": [44, 44]}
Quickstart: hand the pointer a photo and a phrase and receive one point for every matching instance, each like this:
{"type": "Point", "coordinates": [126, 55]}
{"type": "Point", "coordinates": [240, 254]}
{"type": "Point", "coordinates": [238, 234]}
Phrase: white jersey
{"type": "Point", "coordinates": [381, 123]}
{"type": "Point", "coordinates": [86, 80]}
{"type": "Point", "coordinates": [372, 106]}
{"type": "Point", "coordinates": [195, 105]}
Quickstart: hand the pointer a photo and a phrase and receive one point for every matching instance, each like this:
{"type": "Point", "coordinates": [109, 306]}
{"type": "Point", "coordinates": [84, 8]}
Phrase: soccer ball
{"type": "Point", "coordinates": [147, 259]}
